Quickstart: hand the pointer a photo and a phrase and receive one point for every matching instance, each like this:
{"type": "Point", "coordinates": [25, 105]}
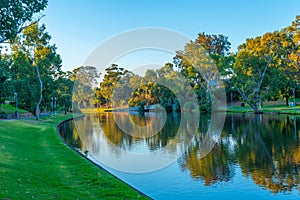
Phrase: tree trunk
{"type": "Point", "coordinates": [255, 108]}
{"type": "Point", "coordinates": [287, 101]}
{"type": "Point", "coordinates": [37, 111]}
{"type": "Point", "coordinates": [252, 105]}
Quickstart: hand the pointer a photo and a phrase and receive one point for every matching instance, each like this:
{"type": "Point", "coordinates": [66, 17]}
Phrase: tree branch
{"type": "Point", "coordinates": [264, 72]}
{"type": "Point", "coordinates": [4, 40]}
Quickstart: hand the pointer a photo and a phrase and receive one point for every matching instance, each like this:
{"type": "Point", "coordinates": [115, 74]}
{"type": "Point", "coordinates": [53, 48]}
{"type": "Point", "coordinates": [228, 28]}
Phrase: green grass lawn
{"type": "Point", "coordinates": [7, 109]}
{"type": "Point", "coordinates": [282, 109]}
{"type": "Point", "coordinates": [36, 164]}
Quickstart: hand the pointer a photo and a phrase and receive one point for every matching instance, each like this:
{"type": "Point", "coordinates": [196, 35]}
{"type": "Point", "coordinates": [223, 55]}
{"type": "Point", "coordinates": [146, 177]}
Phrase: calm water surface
{"type": "Point", "coordinates": [255, 156]}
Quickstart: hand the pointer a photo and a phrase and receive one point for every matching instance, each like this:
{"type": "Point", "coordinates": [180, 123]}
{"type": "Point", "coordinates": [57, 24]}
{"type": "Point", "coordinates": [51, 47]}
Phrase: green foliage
{"type": "Point", "coordinates": [110, 82]}
{"type": "Point", "coordinates": [15, 15]}
{"type": "Point", "coordinates": [5, 83]}
{"type": "Point", "coordinates": [266, 66]}
{"type": "Point", "coordinates": [85, 80]}
{"type": "Point", "coordinates": [63, 87]}
{"type": "Point", "coordinates": [151, 94]}
{"type": "Point", "coordinates": [100, 101]}
{"type": "Point", "coordinates": [202, 63]}
{"type": "Point", "coordinates": [31, 50]}
{"type": "Point", "coordinates": [162, 86]}
{"type": "Point", "coordinates": [35, 65]}
{"type": "Point", "coordinates": [215, 45]}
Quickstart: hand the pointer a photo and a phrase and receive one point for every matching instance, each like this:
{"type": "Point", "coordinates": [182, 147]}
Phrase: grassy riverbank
{"type": "Point", "coordinates": [36, 164]}
{"type": "Point", "coordinates": [275, 109]}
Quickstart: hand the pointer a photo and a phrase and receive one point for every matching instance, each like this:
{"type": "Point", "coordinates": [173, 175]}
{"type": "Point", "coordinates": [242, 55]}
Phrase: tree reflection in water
{"type": "Point", "coordinates": [117, 137]}
{"type": "Point", "coordinates": [265, 147]}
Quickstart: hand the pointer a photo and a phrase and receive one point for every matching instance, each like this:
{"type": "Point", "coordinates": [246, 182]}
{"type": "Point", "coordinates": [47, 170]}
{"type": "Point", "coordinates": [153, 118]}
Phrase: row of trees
{"type": "Point", "coordinates": [29, 64]}
{"type": "Point", "coordinates": [264, 68]}
{"type": "Point", "coordinates": [33, 71]}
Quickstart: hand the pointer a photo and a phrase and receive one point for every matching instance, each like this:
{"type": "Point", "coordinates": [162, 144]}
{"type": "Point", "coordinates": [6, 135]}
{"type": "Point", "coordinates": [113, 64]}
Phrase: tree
{"type": "Point", "coordinates": [199, 70]}
{"type": "Point", "coordinates": [202, 62]}
{"type": "Point", "coordinates": [5, 79]}
{"type": "Point", "coordinates": [99, 99]}
{"type": "Point", "coordinates": [123, 88]}
{"type": "Point", "coordinates": [162, 86]}
{"type": "Point", "coordinates": [16, 15]}
{"type": "Point", "coordinates": [292, 42]}
{"type": "Point", "coordinates": [253, 60]}
{"type": "Point", "coordinates": [289, 61]}
{"type": "Point", "coordinates": [110, 82]}
{"type": "Point", "coordinates": [23, 79]}
{"type": "Point", "coordinates": [35, 63]}
{"type": "Point", "coordinates": [63, 86]}
{"type": "Point", "coordinates": [267, 67]}
{"type": "Point", "coordinates": [215, 45]}
{"type": "Point", "coordinates": [85, 80]}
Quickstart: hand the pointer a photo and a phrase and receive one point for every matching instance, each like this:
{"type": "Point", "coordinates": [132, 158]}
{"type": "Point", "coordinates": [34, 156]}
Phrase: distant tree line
{"type": "Point", "coordinates": [264, 68]}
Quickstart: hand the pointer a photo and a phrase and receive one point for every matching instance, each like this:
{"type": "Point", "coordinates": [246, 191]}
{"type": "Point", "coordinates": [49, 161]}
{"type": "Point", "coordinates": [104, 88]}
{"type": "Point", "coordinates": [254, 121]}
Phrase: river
{"type": "Point", "coordinates": [253, 156]}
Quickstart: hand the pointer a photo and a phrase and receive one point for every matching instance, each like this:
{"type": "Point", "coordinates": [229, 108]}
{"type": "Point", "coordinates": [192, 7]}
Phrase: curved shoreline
{"type": "Point", "coordinates": [91, 161]}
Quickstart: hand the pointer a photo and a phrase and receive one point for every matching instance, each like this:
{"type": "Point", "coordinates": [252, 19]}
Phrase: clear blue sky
{"type": "Point", "coordinates": [78, 26]}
